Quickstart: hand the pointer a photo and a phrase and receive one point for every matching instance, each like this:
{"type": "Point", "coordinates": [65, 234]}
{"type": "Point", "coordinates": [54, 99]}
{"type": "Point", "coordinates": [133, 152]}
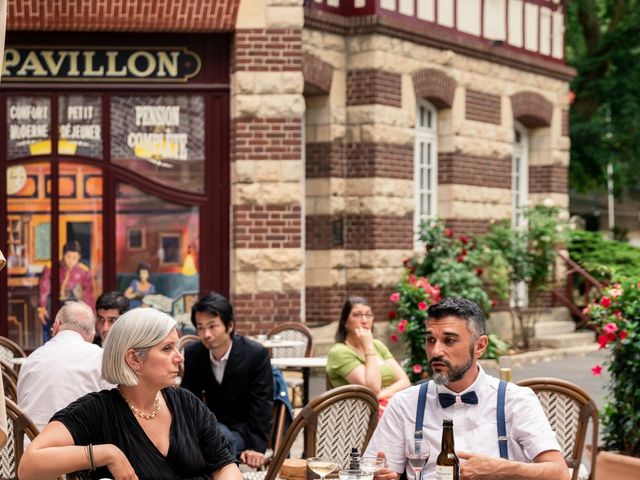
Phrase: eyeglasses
{"type": "Point", "coordinates": [360, 315]}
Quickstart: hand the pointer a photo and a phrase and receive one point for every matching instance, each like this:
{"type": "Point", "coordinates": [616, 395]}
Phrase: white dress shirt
{"type": "Point", "coordinates": [219, 366]}
{"type": "Point", "coordinates": [475, 426]}
{"type": "Point", "coordinates": [57, 373]}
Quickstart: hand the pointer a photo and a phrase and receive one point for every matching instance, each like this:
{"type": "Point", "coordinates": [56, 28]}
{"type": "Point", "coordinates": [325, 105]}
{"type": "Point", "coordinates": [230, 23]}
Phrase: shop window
{"type": "Point", "coordinates": [135, 239]}
{"type": "Point", "coordinates": [160, 138]}
{"type": "Point", "coordinates": [163, 274]}
{"type": "Point", "coordinates": [80, 125]}
{"type": "Point", "coordinates": [28, 126]}
{"type": "Point", "coordinates": [425, 170]}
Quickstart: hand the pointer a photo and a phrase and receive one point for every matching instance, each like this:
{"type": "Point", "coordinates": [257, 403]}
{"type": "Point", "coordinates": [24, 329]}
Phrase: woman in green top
{"type": "Point", "coordinates": [358, 358]}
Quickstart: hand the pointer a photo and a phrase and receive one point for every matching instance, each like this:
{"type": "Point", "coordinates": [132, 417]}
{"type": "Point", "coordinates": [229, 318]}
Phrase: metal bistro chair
{"type": "Point", "coordinates": [299, 332]}
{"type": "Point", "coordinates": [18, 425]}
{"type": "Point", "coordinates": [569, 409]}
{"type": "Point", "coordinates": [333, 422]}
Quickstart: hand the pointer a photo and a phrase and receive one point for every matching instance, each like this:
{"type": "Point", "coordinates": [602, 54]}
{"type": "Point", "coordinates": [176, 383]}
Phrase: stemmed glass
{"type": "Point", "coordinates": [417, 452]}
{"type": "Point", "coordinates": [372, 464]}
{"type": "Point", "coordinates": [322, 466]}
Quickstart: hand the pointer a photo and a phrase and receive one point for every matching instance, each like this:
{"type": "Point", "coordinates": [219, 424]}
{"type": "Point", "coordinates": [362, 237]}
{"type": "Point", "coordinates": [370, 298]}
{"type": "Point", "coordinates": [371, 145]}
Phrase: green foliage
{"type": "Point", "coordinates": [603, 258]}
{"type": "Point", "coordinates": [529, 254]}
{"type": "Point", "coordinates": [412, 297]}
{"type": "Point", "coordinates": [617, 315]}
{"type": "Point", "coordinates": [495, 348]}
{"type": "Point", "coordinates": [603, 38]}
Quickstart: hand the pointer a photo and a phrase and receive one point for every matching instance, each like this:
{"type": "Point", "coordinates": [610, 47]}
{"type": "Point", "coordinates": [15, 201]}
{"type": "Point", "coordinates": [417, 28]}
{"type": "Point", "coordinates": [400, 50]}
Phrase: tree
{"type": "Point", "coordinates": [603, 43]}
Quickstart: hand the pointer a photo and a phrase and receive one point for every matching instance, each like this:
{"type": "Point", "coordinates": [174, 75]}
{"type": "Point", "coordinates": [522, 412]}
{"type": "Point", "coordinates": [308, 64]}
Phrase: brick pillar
{"type": "Point", "coordinates": [267, 108]}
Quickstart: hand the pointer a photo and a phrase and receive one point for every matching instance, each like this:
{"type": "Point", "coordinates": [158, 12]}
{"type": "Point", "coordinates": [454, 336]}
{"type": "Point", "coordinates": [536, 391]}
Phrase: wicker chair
{"type": "Point", "coordinates": [293, 331]}
{"type": "Point", "coordinates": [18, 425]}
{"type": "Point", "coordinates": [569, 409]}
{"type": "Point", "coordinates": [10, 388]}
{"type": "Point", "coordinates": [333, 422]}
{"type": "Point", "coordinates": [10, 350]}
{"type": "Point", "coordinates": [185, 340]}
{"type": "Point", "coordinates": [9, 370]}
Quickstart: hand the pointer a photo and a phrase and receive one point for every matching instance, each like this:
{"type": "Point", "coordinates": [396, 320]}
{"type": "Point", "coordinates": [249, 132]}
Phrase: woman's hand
{"type": "Point", "coordinates": [365, 337]}
{"type": "Point", "coordinates": [117, 462]}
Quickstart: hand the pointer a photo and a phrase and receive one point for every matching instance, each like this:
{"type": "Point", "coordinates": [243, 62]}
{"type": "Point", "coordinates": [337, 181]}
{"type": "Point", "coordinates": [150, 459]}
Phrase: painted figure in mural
{"type": "Point", "coordinates": [75, 284]}
{"type": "Point", "coordinates": [189, 263]}
{"type": "Point", "coordinates": [141, 286]}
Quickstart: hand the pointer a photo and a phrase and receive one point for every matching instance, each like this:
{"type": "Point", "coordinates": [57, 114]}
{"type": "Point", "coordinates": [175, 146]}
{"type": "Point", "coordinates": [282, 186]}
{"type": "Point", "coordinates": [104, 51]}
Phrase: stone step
{"type": "Point", "coordinates": [567, 339]}
{"type": "Point", "coordinates": [548, 328]}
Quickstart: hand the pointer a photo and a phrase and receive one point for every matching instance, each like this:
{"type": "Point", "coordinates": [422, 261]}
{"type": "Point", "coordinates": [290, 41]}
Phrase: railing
{"type": "Point", "coordinates": [579, 286]}
{"type": "Point", "coordinates": [533, 26]}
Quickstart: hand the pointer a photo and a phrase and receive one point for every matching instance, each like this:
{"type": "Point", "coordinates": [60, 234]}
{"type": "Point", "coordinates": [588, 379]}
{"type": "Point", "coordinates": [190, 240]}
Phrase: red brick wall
{"type": "Point", "coordinates": [482, 107]}
{"type": "Point", "coordinates": [531, 109]}
{"type": "Point", "coordinates": [468, 226]}
{"type": "Point", "coordinates": [267, 50]}
{"type": "Point", "coordinates": [259, 312]}
{"type": "Point", "coordinates": [371, 232]}
{"type": "Point", "coordinates": [122, 15]}
{"type": "Point", "coordinates": [324, 304]}
{"type": "Point", "coordinates": [324, 232]}
{"type": "Point", "coordinates": [468, 170]}
{"type": "Point", "coordinates": [379, 160]}
{"type": "Point", "coordinates": [317, 73]}
{"type": "Point", "coordinates": [435, 86]}
{"type": "Point", "coordinates": [367, 87]}
{"type": "Point", "coordinates": [266, 139]}
{"type": "Point", "coordinates": [266, 226]}
{"type": "Point", "coordinates": [548, 179]}
{"type": "Point", "coordinates": [324, 160]}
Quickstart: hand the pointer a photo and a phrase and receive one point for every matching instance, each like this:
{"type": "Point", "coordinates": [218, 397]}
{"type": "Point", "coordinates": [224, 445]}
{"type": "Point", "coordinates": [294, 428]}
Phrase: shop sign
{"type": "Point", "coordinates": [99, 65]}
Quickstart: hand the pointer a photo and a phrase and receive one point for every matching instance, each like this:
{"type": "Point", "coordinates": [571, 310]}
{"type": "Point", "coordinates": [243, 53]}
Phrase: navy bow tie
{"type": "Point", "coordinates": [446, 399]}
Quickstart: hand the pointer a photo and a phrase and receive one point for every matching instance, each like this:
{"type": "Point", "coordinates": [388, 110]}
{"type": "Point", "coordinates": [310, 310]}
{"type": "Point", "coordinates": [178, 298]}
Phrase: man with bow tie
{"type": "Point", "coordinates": [500, 429]}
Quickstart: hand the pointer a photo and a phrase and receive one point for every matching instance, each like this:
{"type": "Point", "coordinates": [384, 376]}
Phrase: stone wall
{"type": "Point", "coordinates": [360, 141]}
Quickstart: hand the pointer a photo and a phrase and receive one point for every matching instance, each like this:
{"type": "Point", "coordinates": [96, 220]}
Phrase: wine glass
{"type": "Point", "coordinates": [372, 464]}
{"type": "Point", "coordinates": [322, 466]}
{"type": "Point", "coordinates": [417, 452]}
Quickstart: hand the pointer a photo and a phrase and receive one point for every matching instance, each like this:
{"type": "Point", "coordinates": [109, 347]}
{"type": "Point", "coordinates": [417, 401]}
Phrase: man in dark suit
{"type": "Point", "coordinates": [232, 375]}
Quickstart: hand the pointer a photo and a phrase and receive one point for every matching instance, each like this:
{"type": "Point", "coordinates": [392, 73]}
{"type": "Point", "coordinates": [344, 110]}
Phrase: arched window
{"type": "Point", "coordinates": [425, 166]}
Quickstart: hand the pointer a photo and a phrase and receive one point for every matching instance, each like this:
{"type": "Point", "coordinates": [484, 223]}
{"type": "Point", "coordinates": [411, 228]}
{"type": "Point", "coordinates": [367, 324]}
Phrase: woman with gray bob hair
{"type": "Point", "coordinates": [138, 329]}
{"type": "Point", "coordinates": [144, 428]}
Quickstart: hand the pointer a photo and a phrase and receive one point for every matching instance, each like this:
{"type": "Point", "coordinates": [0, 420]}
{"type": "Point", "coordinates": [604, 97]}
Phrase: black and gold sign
{"type": "Point", "coordinates": [99, 65]}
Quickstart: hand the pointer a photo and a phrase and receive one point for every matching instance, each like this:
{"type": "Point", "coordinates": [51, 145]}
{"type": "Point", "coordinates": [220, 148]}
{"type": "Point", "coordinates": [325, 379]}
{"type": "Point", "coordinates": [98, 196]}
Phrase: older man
{"type": "Point", "coordinates": [478, 404]}
{"type": "Point", "coordinates": [63, 369]}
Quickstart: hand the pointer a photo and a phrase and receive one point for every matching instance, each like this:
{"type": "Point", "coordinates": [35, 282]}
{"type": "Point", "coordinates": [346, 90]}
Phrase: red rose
{"type": "Point", "coordinates": [464, 239]}
{"type": "Point", "coordinates": [391, 314]}
{"type": "Point", "coordinates": [605, 302]}
{"type": "Point", "coordinates": [448, 232]}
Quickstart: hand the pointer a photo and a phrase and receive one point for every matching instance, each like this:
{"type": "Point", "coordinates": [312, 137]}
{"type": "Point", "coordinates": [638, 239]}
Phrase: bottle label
{"type": "Point", "coordinates": [444, 472]}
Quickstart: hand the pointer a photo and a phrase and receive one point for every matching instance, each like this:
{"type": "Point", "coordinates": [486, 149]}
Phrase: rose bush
{"type": "Point", "coordinates": [617, 316]}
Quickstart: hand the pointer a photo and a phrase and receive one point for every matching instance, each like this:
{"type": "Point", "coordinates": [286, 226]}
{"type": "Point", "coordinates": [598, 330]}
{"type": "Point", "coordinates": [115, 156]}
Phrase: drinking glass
{"type": "Point", "coordinates": [417, 452]}
{"type": "Point", "coordinates": [355, 475]}
{"type": "Point", "coordinates": [322, 466]}
{"type": "Point", "coordinates": [372, 464]}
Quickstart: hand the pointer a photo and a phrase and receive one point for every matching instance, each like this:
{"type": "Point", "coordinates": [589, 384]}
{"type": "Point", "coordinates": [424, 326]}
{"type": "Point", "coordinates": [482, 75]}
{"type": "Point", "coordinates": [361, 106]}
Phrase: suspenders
{"type": "Point", "coordinates": [500, 416]}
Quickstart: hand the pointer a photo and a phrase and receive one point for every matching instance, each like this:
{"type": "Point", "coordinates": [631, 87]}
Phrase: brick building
{"type": "Point", "coordinates": [279, 152]}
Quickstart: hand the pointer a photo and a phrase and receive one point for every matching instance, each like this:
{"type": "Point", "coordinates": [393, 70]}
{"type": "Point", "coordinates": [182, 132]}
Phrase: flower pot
{"type": "Point", "coordinates": [613, 466]}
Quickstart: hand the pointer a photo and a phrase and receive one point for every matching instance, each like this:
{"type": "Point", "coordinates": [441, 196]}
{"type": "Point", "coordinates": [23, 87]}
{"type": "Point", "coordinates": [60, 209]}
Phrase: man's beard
{"type": "Point", "coordinates": [455, 373]}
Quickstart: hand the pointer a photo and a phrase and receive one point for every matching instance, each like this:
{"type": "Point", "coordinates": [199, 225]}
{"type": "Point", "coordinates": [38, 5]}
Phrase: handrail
{"type": "Point", "coordinates": [566, 295]}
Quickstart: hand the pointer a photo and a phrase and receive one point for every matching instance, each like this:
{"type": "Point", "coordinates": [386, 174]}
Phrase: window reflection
{"type": "Point", "coordinates": [156, 249]}
{"type": "Point", "coordinates": [160, 137]}
{"type": "Point", "coordinates": [28, 249]}
{"type": "Point", "coordinates": [28, 126]}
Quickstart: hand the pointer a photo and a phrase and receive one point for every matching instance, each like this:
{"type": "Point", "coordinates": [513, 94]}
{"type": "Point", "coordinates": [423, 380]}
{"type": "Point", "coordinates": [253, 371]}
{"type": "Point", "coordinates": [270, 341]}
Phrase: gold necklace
{"type": "Point", "coordinates": [140, 413]}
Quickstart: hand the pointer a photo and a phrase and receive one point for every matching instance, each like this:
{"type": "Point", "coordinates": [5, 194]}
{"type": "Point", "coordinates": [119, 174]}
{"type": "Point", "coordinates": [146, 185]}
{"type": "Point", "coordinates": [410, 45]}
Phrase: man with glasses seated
{"type": "Point", "coordinates": [359, 358]}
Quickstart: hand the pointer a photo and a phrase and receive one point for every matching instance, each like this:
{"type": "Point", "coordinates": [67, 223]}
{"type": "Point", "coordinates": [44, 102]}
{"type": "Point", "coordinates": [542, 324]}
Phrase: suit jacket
{"type": "Point", "coordinates": [244, 399]}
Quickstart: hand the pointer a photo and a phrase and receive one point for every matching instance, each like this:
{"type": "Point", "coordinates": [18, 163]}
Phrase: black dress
{"type": "Point", "coordinates": [196, 446]}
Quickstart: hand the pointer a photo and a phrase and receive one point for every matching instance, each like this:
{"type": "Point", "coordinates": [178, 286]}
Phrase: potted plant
{"type": "Point", "coordinates": [617, 316]}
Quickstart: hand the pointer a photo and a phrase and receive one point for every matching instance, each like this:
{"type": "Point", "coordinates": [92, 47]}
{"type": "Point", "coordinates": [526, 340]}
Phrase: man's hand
{"type": "Point", "coordinates": [252, 458]}
{"type": "Point", "coordinates": [478, 467]}
{"type": "Point", "coordinates": [385, 473]}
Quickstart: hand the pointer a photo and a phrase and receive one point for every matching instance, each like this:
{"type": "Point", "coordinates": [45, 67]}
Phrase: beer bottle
{"type": "Point", "coordinates": [447, 464]}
